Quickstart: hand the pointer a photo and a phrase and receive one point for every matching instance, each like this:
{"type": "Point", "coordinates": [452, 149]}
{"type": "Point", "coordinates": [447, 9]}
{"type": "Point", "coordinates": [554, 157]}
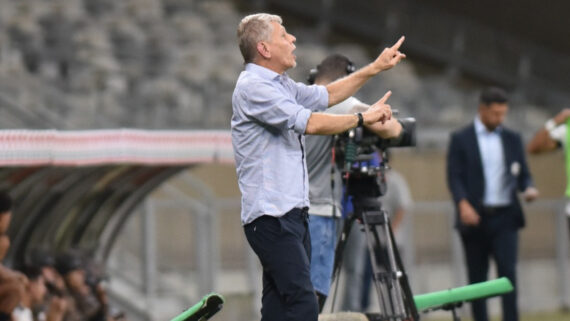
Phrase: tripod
{"type": "Point", "coordinates": [390, 280]}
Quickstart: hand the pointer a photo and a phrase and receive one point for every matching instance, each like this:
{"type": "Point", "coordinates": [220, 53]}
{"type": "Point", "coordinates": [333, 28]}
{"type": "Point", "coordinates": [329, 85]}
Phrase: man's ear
{"type": "Point", "coordinates": [263, 50]}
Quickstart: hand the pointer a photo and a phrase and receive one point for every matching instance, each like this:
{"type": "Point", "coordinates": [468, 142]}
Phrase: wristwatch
{"type": "Point", "coordinates": [550, 125]}
{"type": "Point", "coordinates": [360, 119]}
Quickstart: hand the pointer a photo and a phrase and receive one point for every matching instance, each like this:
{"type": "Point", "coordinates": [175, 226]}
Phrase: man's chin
{"type": "Point", "coordinates": [290, 64]}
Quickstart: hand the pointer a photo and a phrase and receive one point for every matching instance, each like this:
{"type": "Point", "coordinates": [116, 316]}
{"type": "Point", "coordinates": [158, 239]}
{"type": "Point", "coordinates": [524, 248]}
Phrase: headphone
{"type": "Point", "coordinates": [350, 68]}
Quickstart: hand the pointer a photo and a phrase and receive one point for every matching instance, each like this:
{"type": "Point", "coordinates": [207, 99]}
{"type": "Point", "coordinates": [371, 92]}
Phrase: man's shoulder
{"type": "Point", "coordinates": [247, 78]}
{"type": "Point", "coordinates": [248, 83]}
{"type": "Point", "coordinates": [512, 139]}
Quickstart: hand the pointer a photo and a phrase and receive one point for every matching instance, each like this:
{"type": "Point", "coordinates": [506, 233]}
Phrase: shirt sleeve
{"type": "Point", "coordinates": [314, 97]}
{"type": "Point", "coordinates": [559, 134]}
{"type": "Point", "coordinates": [264, 103]}
{"type": "Point", "coordinates": [348, 106]}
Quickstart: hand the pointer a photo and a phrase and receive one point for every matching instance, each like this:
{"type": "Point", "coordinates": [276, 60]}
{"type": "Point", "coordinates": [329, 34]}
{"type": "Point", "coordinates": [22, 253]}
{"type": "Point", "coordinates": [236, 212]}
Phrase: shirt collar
{"type": "Point", "coordinates": [265, 73]}
{"type": "Point", "coordinates": [481, 129]}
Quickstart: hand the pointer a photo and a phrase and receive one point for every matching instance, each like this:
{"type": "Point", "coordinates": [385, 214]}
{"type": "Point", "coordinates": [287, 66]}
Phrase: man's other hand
{"type": "Point", "coordinates": [467, 214]}
{"type": "Point", "coordinates": [530, 194]}
{"type": "Point", "coordinates": [379, 112]}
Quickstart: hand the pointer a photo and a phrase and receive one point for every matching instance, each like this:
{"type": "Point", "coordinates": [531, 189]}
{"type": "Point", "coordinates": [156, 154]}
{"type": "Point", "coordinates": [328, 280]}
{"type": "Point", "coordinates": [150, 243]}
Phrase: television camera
{"type": "Point", "coordinates": [354, 151]}
{"type": "Point", "coordinates": [365, 181]}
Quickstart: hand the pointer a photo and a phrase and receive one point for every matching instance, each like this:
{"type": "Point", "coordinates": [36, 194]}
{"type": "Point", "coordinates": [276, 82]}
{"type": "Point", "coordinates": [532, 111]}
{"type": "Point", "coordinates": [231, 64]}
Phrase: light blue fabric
{"type": "Point", "coordinates": [493, 161]}
{"type": "Point", "coordinates": [323, 243]}
{"type": "Point", "coordinates": [270, 115]}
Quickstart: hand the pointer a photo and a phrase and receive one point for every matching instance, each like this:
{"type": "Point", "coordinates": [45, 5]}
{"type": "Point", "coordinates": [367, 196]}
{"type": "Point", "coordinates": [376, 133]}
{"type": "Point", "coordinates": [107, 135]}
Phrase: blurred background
{"type": "Point", "coordinates": [172, 64]}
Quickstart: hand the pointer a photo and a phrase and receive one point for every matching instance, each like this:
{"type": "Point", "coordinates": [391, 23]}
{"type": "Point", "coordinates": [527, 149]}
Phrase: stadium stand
{"type": "Point", "coordinates": [172, 64]}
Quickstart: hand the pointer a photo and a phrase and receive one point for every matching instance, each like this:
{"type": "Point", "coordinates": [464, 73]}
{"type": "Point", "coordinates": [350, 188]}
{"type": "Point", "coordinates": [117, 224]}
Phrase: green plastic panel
{"type": "Point", "coordinates": [461, 294]}
{"type": "Point", "coordinates": [201, 307]}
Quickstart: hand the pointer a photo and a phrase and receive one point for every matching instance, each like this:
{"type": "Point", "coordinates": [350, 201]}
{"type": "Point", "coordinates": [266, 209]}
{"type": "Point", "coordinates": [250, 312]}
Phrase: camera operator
{"type": "Point", "coordinates": [325, 189]}
{"type": "Point", "coordinates": [271, 115]}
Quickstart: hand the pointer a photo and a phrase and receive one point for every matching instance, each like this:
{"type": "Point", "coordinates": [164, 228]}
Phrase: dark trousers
{"type": "Point", "coordinates": [496, 237]}
{"type": "Point", "coordinates": [283, 246]}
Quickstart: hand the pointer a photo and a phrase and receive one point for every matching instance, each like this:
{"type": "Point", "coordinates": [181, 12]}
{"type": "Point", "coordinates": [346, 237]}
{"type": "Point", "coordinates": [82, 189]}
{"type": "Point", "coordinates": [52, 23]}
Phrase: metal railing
{"type": "Point", "coordinates": [209, 271]}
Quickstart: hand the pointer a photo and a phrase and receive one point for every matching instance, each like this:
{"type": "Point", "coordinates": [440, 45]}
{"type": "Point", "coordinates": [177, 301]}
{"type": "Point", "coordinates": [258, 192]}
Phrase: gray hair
{"type": "Point", "coordinates": [253, 29]}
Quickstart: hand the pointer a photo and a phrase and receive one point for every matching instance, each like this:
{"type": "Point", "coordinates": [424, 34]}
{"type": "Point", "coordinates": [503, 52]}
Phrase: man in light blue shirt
{"type": "Point", "coordinates": [271, 114]}
{"type": "Point", "coordinates": [486, 167]}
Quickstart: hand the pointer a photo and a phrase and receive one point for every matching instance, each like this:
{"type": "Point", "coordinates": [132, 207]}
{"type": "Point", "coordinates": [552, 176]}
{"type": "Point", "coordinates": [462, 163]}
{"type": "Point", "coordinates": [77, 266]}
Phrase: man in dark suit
{"type": "Point", "coordinates": [486, 167]}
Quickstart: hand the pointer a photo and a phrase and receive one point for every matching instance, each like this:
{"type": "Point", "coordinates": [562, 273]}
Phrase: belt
{"type": "Point", "coordinates": [495, 210]}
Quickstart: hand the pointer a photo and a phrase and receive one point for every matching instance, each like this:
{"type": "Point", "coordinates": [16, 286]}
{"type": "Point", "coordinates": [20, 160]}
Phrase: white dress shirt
{"type": "Point", "coordinates": [493, 162]}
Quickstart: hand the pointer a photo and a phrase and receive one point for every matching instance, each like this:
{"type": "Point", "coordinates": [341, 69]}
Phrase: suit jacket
{"type": "Point", "coordinates": [465, 176]}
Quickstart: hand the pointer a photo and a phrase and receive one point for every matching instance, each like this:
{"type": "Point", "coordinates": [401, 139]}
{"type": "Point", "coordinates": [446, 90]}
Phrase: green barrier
{"type": "Point", "coordinates": [203, 310]}
{"type": "Point", "coordinates": [465, 293]}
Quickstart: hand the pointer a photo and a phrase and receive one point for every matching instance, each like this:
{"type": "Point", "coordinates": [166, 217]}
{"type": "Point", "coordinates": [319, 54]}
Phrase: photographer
{"type": "Point", "coordinates": [271, 115]}
{"type": "Point", "coordinates": [90, 299]}
{"type": "Point", "coordinates": [325, 186]}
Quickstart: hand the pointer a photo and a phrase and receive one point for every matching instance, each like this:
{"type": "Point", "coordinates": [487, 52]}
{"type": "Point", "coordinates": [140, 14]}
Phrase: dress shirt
{"type": "Point", "coordinates": [493, 161]}
{"type": "Point", "coordinates": [270, 115]}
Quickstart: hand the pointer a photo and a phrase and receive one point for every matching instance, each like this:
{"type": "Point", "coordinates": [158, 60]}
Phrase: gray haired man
{"type": "Point", "coordinates": [271, 115]}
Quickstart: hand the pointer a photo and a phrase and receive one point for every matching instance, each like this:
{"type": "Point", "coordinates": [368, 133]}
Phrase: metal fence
{"type": "Point", "coordinates": [223, 262]}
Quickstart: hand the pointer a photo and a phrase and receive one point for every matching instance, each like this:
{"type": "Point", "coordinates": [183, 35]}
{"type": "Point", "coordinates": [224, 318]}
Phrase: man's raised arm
{"type": "Point", "coordinates": [347, 86]}
{"type": "Point", "coordinates": [543, 140]}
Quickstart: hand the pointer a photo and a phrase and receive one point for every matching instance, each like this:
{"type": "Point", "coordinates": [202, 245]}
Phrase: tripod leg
{"type": "Point", "coordinates": [375, 250]}
{"type": "Point", "coordinates": [392, 250]}
{"type": "Point", "coordinates": [341, 244]}
{"type": "Point", "coordinates": [403, 278]}
{"type": "Point", "coordinates": [392, 272]}
{"type": "Point", "coordinates": [394, 293]}
{"type": "Point", "coordinates": [454, 315]}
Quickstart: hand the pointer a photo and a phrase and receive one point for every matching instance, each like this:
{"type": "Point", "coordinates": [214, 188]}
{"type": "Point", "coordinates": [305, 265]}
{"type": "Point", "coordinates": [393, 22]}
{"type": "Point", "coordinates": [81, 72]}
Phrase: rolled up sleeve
{"type": "Point", "coordinates": [301, 121]}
